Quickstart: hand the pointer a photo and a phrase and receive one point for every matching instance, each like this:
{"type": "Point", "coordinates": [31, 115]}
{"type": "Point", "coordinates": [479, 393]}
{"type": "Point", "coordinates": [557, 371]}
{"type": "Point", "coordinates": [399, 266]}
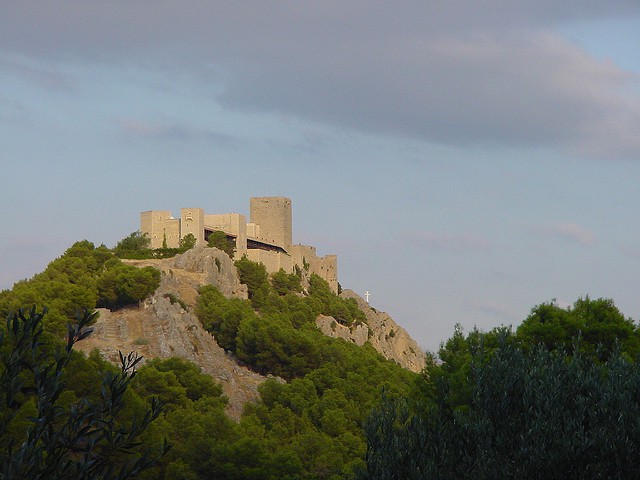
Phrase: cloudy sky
{"type": "Point", "coordinates": [465, 162]}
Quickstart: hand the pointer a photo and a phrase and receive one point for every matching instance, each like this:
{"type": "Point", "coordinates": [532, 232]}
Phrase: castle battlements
{"type": "Point", "coordinates": [266, 238]}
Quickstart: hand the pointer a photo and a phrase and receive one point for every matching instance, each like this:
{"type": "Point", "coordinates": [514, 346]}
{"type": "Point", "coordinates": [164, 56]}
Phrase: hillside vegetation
{"type": "Point", "coordinates": [308, 420]}
{"type": "Point", "coordinates": [555, 398]}
{"type": "Point", "coordinates": [558, 398]}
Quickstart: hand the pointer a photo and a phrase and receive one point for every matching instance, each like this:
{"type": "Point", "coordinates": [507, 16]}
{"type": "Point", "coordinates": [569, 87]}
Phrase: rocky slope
{"type": "Point", "coordinates": [386, 336]}
{"type": "Point", "coordinates": [162, 328]}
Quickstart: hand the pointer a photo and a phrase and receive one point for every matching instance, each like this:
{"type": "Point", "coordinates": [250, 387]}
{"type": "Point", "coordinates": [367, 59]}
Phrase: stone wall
{"type": "Point", "coordinates": [325, 267]}
{"type": "Point", "coordinates": [274, 261]}
{"type": "Point", "coordinates": [231, 223]}
{"type": "Point", "coordinates": [158, 225]}
{"type": "Point", "coordinates": [271, 222]}
{"type": "Point", "coordinates": [192, 221]}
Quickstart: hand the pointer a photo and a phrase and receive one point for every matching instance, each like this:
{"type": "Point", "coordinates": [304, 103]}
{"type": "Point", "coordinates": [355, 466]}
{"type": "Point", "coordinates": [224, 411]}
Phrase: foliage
{"type": "Point", "coordinates": [282, 338]}
{"type": "Point", "coordinates": [498, 407]}
{"type": "Point", "coordinates": [310, 427]}
{"type": "Point", "coordinates": [219, 239]}
{"type": "Point", "coordinates": [82, 441]}
{"type": "Point", "coordinates": [255, 277]}
{"type": "Point", "coordinates": [222, 316]}
{"type": "Point", "coordinates": [188, 241]}
{"type": "Point", "coordinates": [121, 285]}
{"type": "Point", "coordinates": [599, 324]}
{"type": "Point", "coordinates": [283, 282]}
{"type": "Point", "coordinates": [345, 311]}
{"type": "Point", "coordinates": [84, 277]}
{"type": "Point", "coordinates": [135, 245]}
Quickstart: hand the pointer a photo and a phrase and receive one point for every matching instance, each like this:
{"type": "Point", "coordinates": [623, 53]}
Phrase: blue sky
{"type": "Point", "coordinates": [465, 163]}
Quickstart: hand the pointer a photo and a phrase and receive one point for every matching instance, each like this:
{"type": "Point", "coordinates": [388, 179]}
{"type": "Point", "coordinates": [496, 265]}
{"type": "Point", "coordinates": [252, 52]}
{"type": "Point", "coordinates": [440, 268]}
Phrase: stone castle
{"type": "Point", "coordinates": [267, 238]}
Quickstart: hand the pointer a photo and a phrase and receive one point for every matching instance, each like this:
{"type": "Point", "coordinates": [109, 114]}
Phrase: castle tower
{"type": "Point", "coordinates": [160, 227]}
{"type": "Point", "coordinates": [273, 215]}
{"type": "Point", "coordinates": [192, 221]}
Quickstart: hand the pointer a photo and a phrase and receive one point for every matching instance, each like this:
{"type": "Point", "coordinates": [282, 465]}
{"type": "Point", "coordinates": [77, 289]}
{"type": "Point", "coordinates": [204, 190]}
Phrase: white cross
{"type": "Point", "coordinates": [366, 295]}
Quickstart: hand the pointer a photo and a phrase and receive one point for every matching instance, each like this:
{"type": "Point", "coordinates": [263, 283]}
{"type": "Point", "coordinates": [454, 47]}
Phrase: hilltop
{"type": "Point", "coordinates": [162, 327]}
{"type": "Point", "coordinates": [250, 386]}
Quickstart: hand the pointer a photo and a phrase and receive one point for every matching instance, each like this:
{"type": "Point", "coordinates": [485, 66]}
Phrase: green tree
{"type": "Point", "coordinates": [83, 441]}
{"type": "Point", "coordinates": [188, 241]}
{"type": "Point", "coordinates": [135, 245]}
{"type": "Point", "coordinates": [219, 239]}
{"type": "Point", "coordinates": [534, 413]}
{"type": "Point", "coordinates": [255, 277]}
{"type": "Point", "coordinates": [599, 323]}
{"type": "Point", "coordinates": [283, 282]}
{"type": "Point", "coordinates": [121, 285]}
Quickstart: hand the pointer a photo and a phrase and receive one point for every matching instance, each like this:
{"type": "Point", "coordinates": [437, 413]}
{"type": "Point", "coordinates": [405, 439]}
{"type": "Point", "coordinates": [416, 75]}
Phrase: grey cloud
{"type": "Point", "coordinates": [173, 131]}
{"type": "Point", "coordinates": [437, 71]}
{"type": "Point", "coordinates": [45, 76]}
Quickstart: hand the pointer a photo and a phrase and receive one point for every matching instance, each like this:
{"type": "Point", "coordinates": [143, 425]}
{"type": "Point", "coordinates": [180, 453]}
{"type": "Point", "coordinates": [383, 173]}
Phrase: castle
{"type": "Point", "coordinates": [267, 238]}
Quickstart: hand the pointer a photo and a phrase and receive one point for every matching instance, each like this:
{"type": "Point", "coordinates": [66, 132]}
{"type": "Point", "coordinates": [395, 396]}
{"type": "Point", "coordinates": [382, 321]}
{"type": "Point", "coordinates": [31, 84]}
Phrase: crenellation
{"type": "Point", "coordinates": [267, 238]}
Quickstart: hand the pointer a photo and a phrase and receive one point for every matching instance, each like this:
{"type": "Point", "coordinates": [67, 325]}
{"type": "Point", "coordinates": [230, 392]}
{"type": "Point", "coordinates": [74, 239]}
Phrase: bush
{"type": "Point", "coordinates": [219, 239]}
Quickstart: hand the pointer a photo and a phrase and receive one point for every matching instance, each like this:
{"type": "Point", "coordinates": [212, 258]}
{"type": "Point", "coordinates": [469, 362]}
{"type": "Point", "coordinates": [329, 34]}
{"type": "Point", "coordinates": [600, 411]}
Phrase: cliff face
{"type": "Point", "coordinates": [384, 334]}
{"type": "Point", "coordinates": [162, 329]}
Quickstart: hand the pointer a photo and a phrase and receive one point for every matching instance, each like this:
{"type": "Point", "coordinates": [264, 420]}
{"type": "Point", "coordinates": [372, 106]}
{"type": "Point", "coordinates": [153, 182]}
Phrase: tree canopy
{"type": "Point", "coordinates": [556, 399]}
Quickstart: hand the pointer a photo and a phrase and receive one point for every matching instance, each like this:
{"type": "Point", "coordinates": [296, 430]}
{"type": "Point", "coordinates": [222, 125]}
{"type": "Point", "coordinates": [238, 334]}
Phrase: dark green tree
{"type": "Point", "coordinates": [84, 441]}
{"type": "Point", "coordinates": [255, 277]}
{"type": "Point", "coordinates": [599, 323]}
{"type": "Point", "coordinates": [219, 239]}
{"type": "Point", "coordinates": [135, 245]}
{"type": "Point", "coordinates": [283, 282]}
{"type": "Point", "coordinates": [188, 241]}
{"type": "Point", "coordinates": [534, 414]}
{"type": "Point", "coordinates": [121, 285]}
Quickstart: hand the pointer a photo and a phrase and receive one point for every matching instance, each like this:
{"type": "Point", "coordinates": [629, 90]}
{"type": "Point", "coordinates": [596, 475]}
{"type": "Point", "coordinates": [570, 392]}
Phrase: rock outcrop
{"type": "Point", "coordinates": [162, 328]}
{"type": "Point", "coordinates": [385, 335]}
{"type": "Point", "coordinates": [165, 325]}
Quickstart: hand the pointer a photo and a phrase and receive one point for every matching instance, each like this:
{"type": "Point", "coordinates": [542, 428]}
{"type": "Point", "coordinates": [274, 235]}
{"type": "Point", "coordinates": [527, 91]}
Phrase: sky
{"type": "Point", "coordinates": [466, 161]}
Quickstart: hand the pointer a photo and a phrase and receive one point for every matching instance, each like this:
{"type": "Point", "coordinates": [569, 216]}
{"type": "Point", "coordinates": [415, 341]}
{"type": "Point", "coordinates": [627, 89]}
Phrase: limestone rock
{"type": "Point", "coordinates": [388, 338]}
{"type": "Point", "coordinates": [162, 328]}
{"type": "Point", "coordinates": [357, 334]}
{"type": "Point", "coordinates": [216, 267]}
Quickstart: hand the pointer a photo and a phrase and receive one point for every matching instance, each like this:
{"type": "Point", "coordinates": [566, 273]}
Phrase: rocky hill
{"type": "Point", "coordinates": [386, 336]}
{"type": "Point", "coordinates": [165, 325]}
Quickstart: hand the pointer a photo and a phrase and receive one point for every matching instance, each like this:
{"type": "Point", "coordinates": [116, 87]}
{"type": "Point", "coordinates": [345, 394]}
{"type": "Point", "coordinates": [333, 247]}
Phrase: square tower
{"type": "Point", "coordinates": [160, 227]}
{"type": "Point", "coordinates": [273, 215]}
{"type": "Point", "coordinates": [192, 221]}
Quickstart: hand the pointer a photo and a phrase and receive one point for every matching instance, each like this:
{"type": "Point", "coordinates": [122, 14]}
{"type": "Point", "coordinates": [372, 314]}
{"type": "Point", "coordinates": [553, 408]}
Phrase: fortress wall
{"type": "Point", "coordinates": [192, 221]}
{"type": "Point", "coordinates": [158, 223]}
{"type": "Point", "coordinates": [301, 254]}
{"type": "Point", "coordinates": [274, 261]}
{"type": "Point", "coordinates": [325, 267]}
{"type": "Point", "coordinates": [232, 223]}
{"type": "Point", "coordinates": [271, 222]}
{"type": "Point", "coordinates": [253, 230]}
{"type": "Point", "coordinates": [172, 230]}
{"type": "Point", "coordinates": [274, 216]}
